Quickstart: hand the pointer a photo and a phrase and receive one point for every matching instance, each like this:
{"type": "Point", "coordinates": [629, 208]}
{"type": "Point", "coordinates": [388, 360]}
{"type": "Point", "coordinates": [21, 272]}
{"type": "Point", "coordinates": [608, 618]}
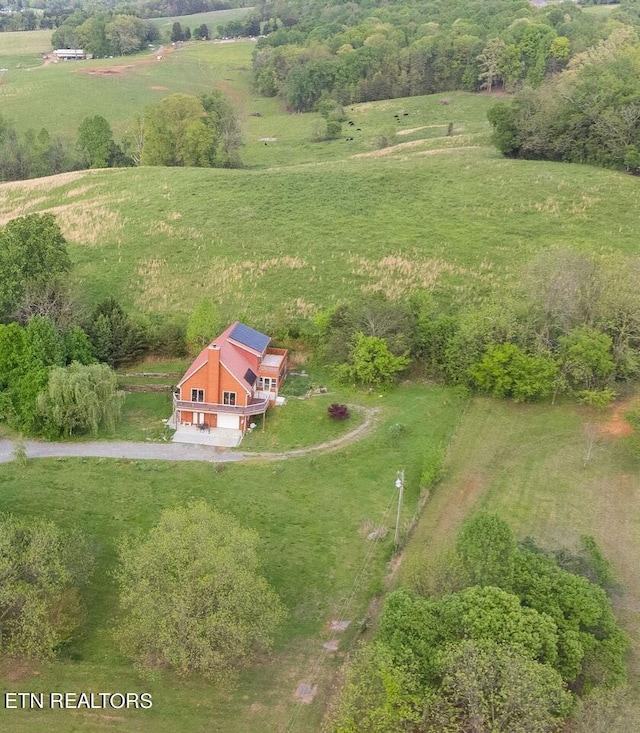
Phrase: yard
{"type": "Point", "coordinates": [312, 514]}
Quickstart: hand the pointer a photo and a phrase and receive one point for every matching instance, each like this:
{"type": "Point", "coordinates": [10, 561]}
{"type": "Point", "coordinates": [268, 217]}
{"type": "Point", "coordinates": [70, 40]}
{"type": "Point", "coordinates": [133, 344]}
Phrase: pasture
{"type": "Point", "coordinates": [21, 51]}
{"type": "Point", "coordinates": [303, 226]}
{"type": "Point", "coordinates": [281, 243]}
{"type": "Point", "coordinates": [312, 514]}
{"type": "Point", "coordinates": [211, 19]}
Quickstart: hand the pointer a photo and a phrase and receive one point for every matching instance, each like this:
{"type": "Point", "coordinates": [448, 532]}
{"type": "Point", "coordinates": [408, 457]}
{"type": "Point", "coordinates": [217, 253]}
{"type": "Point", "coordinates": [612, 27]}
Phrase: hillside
{"type": "Point", "coordinates": [301, 237]}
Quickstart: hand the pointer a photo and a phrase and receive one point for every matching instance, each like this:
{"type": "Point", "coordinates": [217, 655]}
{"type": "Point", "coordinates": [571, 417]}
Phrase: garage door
{"type": "Point", "coordinates": [228, 421]}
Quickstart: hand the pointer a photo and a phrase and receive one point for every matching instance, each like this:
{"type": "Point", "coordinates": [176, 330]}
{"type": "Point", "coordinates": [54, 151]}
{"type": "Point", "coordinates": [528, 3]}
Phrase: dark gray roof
{"type": "Point", "coordinates": [250, 337]}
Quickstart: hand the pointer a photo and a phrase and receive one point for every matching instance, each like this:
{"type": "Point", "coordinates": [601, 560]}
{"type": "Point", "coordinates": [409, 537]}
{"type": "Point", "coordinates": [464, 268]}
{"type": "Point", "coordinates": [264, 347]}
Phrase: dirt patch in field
{"type": "Point", "coordinates": [392, 149]}
{"type": "Point", "coordinates": [159, 89]}
{"type": "Point", "coordinates": [617, 426]}
{"type": "Point", "coordinates": [411, 130]}
{"type": "Point", "coordinates": [14, 670]}
{"type": "Point", "coordinates": [233, 94]}
{"type": "Point", "coordinates": [124, 69]}
{"type": "Point", "coordinates": [108, 70]}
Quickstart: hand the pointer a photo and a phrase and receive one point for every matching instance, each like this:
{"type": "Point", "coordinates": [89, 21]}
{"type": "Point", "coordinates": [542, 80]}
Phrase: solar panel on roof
{"type": "Point", "coordinates": [250, 377]}
{"type": "Point", "coordinates": [250, 337]}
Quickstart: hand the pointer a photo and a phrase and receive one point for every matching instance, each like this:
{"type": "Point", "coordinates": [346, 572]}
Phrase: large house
{"type": "Point", "coordinates": [234, 378]}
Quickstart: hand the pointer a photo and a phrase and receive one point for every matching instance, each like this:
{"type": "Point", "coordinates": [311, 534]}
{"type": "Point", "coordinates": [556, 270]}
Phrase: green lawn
{"type": "Point", "coordinates": [311, 514]}
{"type": "Point", "coordinates": [142, 417]}
{"type": "Point", "coordinates": [300, 423]}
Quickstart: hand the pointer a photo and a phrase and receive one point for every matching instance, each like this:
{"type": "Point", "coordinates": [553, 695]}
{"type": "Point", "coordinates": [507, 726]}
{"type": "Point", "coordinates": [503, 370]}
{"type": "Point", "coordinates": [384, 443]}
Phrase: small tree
{"type": "Point", "coordinates": [372, 363]}
{"type": "Point", "coordinates": [507, 371]}
{"type": "Point", "coordinates": [176, 33]}
{"type": "Point", "coordinates": [193, 597]}
{"type": "Point", "coordinates": [203, 326]}
{"type": "Point", "coordinates": [80, 399]}
{"type": "Point", "coordinates": [40, 567]}
{"type": "Point", "coordinates": [95, 138]}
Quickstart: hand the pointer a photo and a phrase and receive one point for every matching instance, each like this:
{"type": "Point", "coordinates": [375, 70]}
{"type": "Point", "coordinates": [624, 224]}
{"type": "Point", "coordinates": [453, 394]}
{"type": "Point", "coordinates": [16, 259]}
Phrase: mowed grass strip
{"type": "Point", "coordinates": [311, 514]}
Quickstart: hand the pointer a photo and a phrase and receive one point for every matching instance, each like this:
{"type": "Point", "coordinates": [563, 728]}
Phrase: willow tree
{"type": "Point", "coordinates": [80, 399]}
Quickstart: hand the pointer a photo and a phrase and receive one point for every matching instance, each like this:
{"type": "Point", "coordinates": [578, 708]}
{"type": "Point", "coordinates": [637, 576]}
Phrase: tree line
{"type": "Point", "coordinates": [181, 130]}
{"type": "Point", "coordinates": [51, 14]}
{"type": "Point", "coordinates": [56, 356]}
{"type": "Point", "coordinates": [510, 641]}
{"type": "Point", "coordinates": [570, 326]}
{"type": "Point", "coordinates": [589, 113]}
{"type": "Point", "coordinates": [364, 52]}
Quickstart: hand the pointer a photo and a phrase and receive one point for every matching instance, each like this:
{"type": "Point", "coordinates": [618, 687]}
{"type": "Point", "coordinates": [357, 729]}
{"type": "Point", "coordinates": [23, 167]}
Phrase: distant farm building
{"type": "Point", "coordinates": [69, 54]}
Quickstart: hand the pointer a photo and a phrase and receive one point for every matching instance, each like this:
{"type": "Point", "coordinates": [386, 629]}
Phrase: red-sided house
{"type": "Point", "coordinates": [234, 378]}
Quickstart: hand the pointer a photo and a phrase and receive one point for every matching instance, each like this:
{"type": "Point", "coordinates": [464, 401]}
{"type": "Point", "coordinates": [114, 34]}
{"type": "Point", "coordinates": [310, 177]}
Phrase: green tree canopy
{"type": "Point", "coordinates": [182, 130]}
{"type": "Point", "coordinates": [33, 251]}
{"type": "Point", "coordinates": [507, 371]}
{"type": "Point", "coordinates": [115, 337]}
{"type": "Point", "coordinates": [492, 688]}
{"type": "Point", "coordinates": [95, 138]}
{"type": "Point", "coordinates": [80, 399]}
{"type": "Point", "coordinates": [192, 594]}
{"type": "Point", "coordinates": [41, 568]}
{"type": "Point", "coordinates": [372, 364]}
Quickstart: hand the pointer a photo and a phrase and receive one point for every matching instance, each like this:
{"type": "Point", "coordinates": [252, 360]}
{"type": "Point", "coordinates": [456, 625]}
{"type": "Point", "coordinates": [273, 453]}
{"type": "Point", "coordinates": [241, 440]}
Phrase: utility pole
{"type": "Point", "coordinates": [400, 487]}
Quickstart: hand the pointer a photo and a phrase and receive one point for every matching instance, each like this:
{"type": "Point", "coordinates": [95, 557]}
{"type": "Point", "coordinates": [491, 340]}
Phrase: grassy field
{"type": "Point", "coordinates": [22, 50]}
{"type": "Point", "coordinates": [212, 20]}
{"type": "Point", "coordinates": [305, 223]}
{"type": "Point", "coordinates": [289, 240]}
{"type": "Point", "coordinates": [527, 464]}
{"type": "Point", "coordinates": [312, 515]}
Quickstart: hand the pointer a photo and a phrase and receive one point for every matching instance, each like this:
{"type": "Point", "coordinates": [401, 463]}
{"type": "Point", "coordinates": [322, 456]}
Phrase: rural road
{"type": "Point", "coordinates": [174, 451]}
{"type": "Point", "coordinates": [119, 449]}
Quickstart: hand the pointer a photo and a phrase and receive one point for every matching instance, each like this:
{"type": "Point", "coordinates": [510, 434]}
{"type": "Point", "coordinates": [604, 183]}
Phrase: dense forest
{"type": "Point", "coordinates": [363, 52]}
{"type": "Point", "coordinates": [588, 114]}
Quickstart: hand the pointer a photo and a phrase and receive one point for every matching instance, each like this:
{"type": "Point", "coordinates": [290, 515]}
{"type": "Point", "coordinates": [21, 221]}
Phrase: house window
{"type": "Point", "coordinates": [228, 398]}
{"type": "Point", "coordinates": [197, 395]}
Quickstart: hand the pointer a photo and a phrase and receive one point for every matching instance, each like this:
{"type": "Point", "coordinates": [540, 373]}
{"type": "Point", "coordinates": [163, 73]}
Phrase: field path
{"type": "Point", "coordinates": [177, 451]}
